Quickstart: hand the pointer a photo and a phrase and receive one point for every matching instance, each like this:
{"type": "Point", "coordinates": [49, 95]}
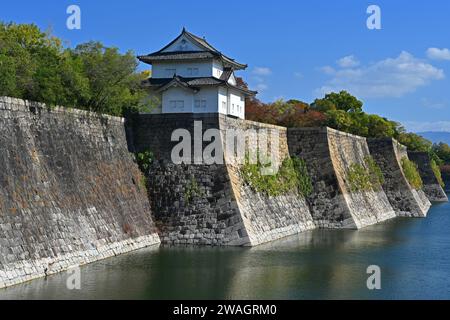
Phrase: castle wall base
{"type": "Point", "coordinates": [329, 155]}
{"type": "Point", "coordinates": [69, 191]}
{"type": "Point", "coordinates": [431, 187]}
{"type": "Point", "coordinates": [406, 201]}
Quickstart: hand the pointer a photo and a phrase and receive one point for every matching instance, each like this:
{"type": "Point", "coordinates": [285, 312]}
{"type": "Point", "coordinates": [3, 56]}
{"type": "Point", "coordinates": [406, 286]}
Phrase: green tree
{"type": "Point", "coordinates": [442, 151]}
{"type": "Point", "coordinates": [338, 101]}
{"type": "Point", "coordinates": [35, 66]}
{"type": "Point", "coordinates": [415, 142]}
{"type": "Point", "coordinates": [340, 120]}
{"type": "Point", "coordinates": [29, 63]}
{"type": "Point", "coordinates": [323, 105]}
{"type": "Point", "coordinates": [379, 127]}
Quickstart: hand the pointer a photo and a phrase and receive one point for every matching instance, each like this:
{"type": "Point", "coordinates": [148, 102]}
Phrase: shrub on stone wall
{"type": "Point", "coordinates": [437, 173]}
{"type": "Point", "coordinates": [375, 173]}
{"type": "Point", "coordinates": [411, 172]}
{"type": "Point", "coordinates": [365, 177]}
{"type": "Point", "coordinates": [192, 190]}
{"type": "Point", "coordinates": [144, 159]}
{"type": "Point", "coordinates": [291, 176]}
{"type": "Point", "coordinates": [358, 178]}
{"type": "Point", "coordinates": [305, 186]}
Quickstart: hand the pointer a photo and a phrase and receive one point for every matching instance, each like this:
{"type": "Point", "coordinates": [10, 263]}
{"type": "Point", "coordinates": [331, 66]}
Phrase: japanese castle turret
{"type": "Point", "coordinates": [191, 76]}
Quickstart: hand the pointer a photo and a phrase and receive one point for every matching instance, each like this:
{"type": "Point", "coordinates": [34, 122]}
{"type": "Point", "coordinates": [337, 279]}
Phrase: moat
{"type": "Point", "coordinates": [321, 264]}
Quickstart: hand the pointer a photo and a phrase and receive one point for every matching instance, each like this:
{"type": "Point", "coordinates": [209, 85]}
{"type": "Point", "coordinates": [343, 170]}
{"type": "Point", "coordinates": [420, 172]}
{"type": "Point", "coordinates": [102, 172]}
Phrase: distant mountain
{"type": "Point", "coordinates": [436, 136]}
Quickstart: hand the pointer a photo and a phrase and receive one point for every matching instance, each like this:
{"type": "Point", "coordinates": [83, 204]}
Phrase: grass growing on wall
{"type": "Point", "coordinates": [305, 186]}
{"type": "Point", "coordinates": [365, 177]}
{"type": "Point", "coordinates": [192, 190]}
{"type": "Point", "coordinates": [292, 176]}
{"type": "Point", "coordinates": [437, 173]}
{"type": "Point", "coordinates": [144, 159]}
{"type": "Point", "coordinates": [412, 173]}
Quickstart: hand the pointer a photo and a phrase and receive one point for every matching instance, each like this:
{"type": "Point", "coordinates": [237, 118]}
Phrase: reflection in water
{"type": "Point", "coordinates": [320, 264]}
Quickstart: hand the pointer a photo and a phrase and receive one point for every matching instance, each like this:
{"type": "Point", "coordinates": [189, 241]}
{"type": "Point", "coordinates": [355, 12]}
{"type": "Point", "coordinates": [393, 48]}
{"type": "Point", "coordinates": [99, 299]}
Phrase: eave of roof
{"type": "Point", "coordinates": [177, 81]}
{"type": "Point", "coordinates": [177, 55]}
{"type": "Point", "coordinates": [160, 84]}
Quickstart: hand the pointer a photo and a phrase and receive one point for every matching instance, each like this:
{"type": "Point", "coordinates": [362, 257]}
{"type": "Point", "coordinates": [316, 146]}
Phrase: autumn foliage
{"type": "Point", "coordinates": [292, 113]}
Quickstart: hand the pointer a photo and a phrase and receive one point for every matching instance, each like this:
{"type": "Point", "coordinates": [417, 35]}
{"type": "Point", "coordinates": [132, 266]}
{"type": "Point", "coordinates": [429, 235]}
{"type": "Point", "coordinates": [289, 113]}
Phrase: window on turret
{"type": "Point", "coordinates": [171, 72]}
{"type": "Point", "coordinates": [192, 71]}
{"type": "Point", "coordinates": [200, 104]}
{"type": "Point", "coordinates": [176, 104]}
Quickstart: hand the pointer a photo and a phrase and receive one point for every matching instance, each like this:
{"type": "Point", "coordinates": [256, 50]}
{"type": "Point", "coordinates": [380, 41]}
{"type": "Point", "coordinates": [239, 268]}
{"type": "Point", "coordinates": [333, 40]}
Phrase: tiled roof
{"type": "Point", "coordinates": [226, 74]}
{"type": "Point", "coordinates": [208, 52]}
{"type": "Point", "coordinates": [193, 83]}
{"type": "Point", "coordinates": [176, 55]}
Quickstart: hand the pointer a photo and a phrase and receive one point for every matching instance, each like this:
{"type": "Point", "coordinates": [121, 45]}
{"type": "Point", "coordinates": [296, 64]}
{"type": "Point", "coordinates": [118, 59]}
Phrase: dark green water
{"type": "Point", "coordinates": [413, 254]}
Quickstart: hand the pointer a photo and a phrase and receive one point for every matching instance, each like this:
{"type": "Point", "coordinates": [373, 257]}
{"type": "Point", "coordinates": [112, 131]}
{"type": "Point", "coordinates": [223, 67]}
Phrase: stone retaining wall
{"type": "Point", "coordinates": [266, 218]}
{"type": "Point", "coordinates": [405, 200]}
{"type": "Point", "coordinates": [69, 191]}
{"type": "Point", "coordinates": [433, 190]}
{"type": "Point", "coordinates": [225, 211]}
{"type": "Point", "coordinates": [329, 155]}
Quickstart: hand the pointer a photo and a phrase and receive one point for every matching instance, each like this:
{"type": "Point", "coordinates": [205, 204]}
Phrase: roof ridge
{"type": "Point", "coordinates": [202, 42]}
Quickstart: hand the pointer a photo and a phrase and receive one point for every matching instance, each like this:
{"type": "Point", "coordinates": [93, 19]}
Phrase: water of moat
{"type": "Point", "coordinates": [413, 254]}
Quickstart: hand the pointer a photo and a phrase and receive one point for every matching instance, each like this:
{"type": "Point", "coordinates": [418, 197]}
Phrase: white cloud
{"type": "Point", "coordinates": [261, 87]}
{"type": "Point", "coordinates": [259, 77]}
{"type": "Point", "coordinates": [327, 70]}
{"type": "Point", "coordinates": [417, 126]}
{"type": "Point", "coordinates": [348, 62]}
{"type": "Point", "coordinates": [431, 104]}
{"type": "Point", "coordinates": [298, 75]}
{"type": "Point", "coordinates": [262, 71]}
{"type": "Point", "coordinates": [438, 54]}
{"type": "Point", "coordinates": [391, 77]}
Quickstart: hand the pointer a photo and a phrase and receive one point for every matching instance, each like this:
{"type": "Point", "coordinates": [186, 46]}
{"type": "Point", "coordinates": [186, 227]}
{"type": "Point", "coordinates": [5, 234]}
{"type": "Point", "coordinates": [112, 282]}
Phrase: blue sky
{"type": "Point", "coordinates": [294, 49]}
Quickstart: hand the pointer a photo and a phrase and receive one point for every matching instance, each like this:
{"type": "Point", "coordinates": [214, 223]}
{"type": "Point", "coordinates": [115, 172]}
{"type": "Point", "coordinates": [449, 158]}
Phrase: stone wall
{"type": "Point", "coordinates": [446, 178]}
{"type": "Point", "coordinates": [224, 210]}
{"type": "Point", "coordinates": [433, 190]}
{"type": "Point", "coordinates": [210, 215]}
{"type": "Point", "coordinates": [368, 207]}
{"type": "Point", "coordinates": [69, 191]}
{"type": "Point", "coordinates": [329, 154]}
{"type": "Point", "coordinates": [405, 200]}
{"type": "Point", "coordinates": [266, 218]}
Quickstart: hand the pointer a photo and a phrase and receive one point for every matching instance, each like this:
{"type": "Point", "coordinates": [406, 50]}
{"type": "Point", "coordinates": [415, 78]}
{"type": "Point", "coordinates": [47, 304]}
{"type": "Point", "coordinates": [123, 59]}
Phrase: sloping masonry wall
{"type": "Point", "coordinates": [266, 218]}
{"type": "Point", "coordinates": [69, 191]}
{"type": "Point", "coordinates": [405, 200]}
{"type": "Point", "coordinates": [223, 210]}
{"type": "Point", "coordinates": [329, 154]}
{"type": "Point", "coordinates": [433, 190]}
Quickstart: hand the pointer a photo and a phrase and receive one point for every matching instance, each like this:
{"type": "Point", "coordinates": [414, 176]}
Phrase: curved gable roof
{"type": "Point", "coordinates": [200, 42]}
